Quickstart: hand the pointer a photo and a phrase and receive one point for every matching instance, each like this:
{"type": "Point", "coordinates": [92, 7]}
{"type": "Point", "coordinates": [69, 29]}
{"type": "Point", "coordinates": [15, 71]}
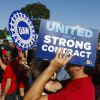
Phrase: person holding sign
{"type": "Point", "coordinates": [79, 87]}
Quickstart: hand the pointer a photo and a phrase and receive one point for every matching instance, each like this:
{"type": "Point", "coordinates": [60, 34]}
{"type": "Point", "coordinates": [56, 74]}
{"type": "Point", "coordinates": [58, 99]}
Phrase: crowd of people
{"type": "Point", "coordinates": [23, 77]}
{"type": "Point", "coordinates": [13, 72]}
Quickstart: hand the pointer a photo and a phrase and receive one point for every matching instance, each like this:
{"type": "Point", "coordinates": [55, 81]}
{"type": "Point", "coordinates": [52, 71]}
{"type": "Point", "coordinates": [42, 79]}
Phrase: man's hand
{"type": "Point", "coordinates": [60, 59]}
{"type": "Point", "coordinates": [53, 86]}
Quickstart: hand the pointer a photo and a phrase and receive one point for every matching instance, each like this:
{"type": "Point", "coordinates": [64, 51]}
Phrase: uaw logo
{"type": "Point", "coordinates": [22, 30]}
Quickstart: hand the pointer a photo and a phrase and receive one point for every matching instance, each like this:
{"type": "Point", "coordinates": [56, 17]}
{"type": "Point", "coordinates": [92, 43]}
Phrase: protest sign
{"type": "Point", "coordinates": [82, 42]}
{"type": "Point", "coordinates": [22, 30]}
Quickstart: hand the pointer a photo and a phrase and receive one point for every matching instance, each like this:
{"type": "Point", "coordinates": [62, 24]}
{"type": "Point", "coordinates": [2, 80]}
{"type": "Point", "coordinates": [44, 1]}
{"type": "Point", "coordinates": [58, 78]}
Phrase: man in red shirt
{"type": "Point", "coordinates": [9, 85]}
{"type": "Point", "coordinates": [79, 88]}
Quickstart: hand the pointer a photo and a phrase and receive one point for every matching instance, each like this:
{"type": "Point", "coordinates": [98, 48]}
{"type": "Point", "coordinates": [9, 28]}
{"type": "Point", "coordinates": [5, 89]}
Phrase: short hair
{"type": "Point", "coordinates": [38, 67]}
{"type": "Point", "coordinates": [14, 53]}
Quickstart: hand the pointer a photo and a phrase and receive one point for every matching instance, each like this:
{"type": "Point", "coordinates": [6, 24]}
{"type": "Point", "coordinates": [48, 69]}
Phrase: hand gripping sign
{"type": "Point", "coordinates": [82, 42]}
{"type": "Point", "coordinates": [21, 30]}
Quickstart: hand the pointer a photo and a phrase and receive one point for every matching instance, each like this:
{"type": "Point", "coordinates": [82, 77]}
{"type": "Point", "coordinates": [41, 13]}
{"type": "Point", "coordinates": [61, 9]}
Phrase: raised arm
{"type": "Point", "coordinates": [35, 92]}
{"type": "Point", "coordinates": [3, 66]}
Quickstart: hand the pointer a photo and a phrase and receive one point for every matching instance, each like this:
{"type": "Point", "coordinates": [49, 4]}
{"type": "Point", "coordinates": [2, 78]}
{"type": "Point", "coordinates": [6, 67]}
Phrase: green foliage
{"type": "Point", "coordinates": [36, 11]}
{"type": "Point", "coordinates": [99, 38]}
{"type": "Point", "coordinates": [3, 33]}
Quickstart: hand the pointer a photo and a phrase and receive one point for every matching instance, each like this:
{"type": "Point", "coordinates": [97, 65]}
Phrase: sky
{"type": "Point", "coordinates": [84, 13]}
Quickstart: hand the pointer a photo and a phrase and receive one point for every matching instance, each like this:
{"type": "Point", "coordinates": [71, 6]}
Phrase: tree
{"type": "Point", "coordinates": [36, 11]}
{"type": "Point", "coordinates": [99, 38]}
{"type": "Point", "coordinates": [3, 33]}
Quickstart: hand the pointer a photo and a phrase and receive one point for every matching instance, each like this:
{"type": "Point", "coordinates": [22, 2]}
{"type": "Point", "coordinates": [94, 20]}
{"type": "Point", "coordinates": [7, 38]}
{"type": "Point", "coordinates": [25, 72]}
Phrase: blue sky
{"type": "Point", "coordinates": [85, 13]}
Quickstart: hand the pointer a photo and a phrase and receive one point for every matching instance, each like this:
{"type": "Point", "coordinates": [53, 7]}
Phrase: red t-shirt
{"type": "Point", "coordinates": [8, 73]}
{"type": "Point", "coordinates": [78, 89]}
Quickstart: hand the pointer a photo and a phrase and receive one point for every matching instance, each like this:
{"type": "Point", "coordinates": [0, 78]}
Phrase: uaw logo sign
{"type": "Point", "coordinates": [22, 30]}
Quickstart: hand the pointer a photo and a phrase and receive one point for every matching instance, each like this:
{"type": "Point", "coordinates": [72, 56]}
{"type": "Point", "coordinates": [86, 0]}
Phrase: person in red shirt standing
{"type": "Point", "coordinates": [8, 85]}
{"type": "Point", "coordinates": [79, 87]}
